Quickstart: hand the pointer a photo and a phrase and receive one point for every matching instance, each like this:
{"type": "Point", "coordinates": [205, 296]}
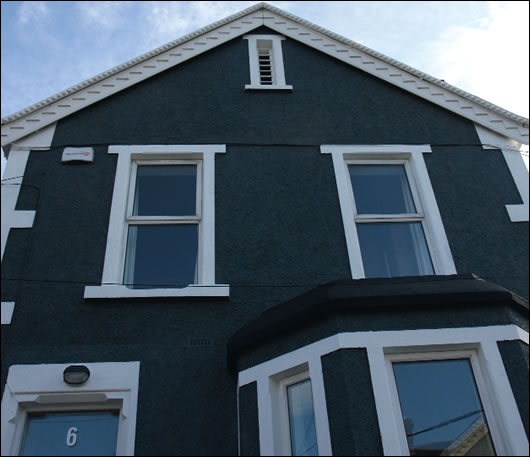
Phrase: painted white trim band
{"type": "Point", "coordinates": [195, 290]}
{"type": "Point", "coordinates": [515, 162]}
{"type": "Point", "coordinates": [12, 181]}
{"type": "Point", "coordinates": [7, 311]}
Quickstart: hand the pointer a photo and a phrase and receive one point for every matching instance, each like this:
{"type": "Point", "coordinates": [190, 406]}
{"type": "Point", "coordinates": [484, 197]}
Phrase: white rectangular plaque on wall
{"type": "Point", "coordinates": [78, 155]}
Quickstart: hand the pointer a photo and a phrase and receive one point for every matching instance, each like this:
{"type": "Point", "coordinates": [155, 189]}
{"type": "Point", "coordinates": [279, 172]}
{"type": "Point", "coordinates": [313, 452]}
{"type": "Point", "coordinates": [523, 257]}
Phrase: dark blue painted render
{"type": "Point", "coordinates": [515, 357]}
{"type": "Point", "coordinates": [279, 228]}
{"type": "Point", "coordinates": [350, 403]}
{"type": "Point", "coordinates": [248, 419]}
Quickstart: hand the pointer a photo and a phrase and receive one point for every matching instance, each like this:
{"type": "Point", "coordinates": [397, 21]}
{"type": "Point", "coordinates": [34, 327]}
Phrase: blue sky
{"type": "Point", "coordinates": [481, 47]}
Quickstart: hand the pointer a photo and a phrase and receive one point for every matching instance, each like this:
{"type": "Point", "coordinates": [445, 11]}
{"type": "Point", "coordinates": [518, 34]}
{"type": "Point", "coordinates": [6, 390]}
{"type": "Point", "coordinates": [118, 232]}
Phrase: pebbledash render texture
{"type": "Point", "coordinates": [312, 250]}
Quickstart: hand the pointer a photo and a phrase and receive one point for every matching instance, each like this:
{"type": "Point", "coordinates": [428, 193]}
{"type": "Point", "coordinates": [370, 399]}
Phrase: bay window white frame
{"type": "Point", "coordinates": [487, 401]}
{"type": "Point", "coordinates": [121, 214]}
{"type": "Point", "coordinates": [411, 156]}
{"type": "Point", "coordinates": [279, 385]}
{"type": "Point", "coordinates": [380, 345]}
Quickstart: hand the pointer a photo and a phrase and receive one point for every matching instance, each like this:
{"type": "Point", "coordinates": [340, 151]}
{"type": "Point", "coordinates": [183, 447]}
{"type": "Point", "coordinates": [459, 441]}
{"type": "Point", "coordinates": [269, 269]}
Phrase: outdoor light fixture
{"type": "Point", "coordinates": [76, 374]}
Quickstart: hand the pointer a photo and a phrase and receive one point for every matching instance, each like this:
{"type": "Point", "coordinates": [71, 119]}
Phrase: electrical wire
{"type": "Point", "coordinates": [228, 144]}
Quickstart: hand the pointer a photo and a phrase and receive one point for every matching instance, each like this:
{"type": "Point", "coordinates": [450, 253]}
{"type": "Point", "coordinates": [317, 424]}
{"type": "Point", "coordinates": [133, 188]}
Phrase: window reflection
{"type": "Point", "coordinates": [161, 256]}
{"type": "Point", "coordinates": [381, 189]}
{"type": "Point", "coordinates": [441, 408]}
{"type": "Point", "coordinates": [302, 419]}
{"type": "Point", "coordinates": [394, 249]}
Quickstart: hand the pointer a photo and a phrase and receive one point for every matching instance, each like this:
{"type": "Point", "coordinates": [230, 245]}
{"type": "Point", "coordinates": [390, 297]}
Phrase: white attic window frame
{"type": "Point", "coordinates": [266, 45]}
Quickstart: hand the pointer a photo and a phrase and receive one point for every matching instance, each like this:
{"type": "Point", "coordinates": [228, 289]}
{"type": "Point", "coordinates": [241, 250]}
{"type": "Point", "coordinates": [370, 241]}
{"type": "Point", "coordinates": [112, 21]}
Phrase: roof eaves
{"type": "Point", "coordinates": [128, 64]}
{"type": "Point", "coordinates": [488, 105]}
{"type": "Point", "coordinates": [522, 121]}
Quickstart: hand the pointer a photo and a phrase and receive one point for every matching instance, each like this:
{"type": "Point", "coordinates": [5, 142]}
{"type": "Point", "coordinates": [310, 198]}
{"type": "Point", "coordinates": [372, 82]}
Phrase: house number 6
{"type": "Point", "coordinates": [71, 437]}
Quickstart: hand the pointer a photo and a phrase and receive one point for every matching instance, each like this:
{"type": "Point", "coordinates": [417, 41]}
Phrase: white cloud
{"type": "Point", "coordinates": [491, 59]}
{"type": "Point", "coordinates": [30, 13]}
{"type": "Point", "coordinates": [169, 21]}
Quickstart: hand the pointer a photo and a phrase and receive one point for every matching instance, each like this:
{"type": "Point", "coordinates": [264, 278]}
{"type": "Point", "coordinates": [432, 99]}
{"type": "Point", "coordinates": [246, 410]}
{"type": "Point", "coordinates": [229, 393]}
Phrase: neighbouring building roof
{"type": "Point", "coordinates": [35, 117]}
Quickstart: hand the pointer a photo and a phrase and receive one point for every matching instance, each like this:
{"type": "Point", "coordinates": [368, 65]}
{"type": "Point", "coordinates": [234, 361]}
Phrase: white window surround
{"type": "Point", "coordinates": [481, 340]}
{"type": "Point", "coordinates": [277, 63]}
{"type": "Point", "coordinates": [17, 160]}
{"type": "Point", "coordinates": [510, 150]}
{"type": "Point", "coordinates": [7, 311]}
{"type": "Point", "coordinates": [412, 157]}
{"type": "Point", "coordinates": [278, 388]}
{"type": "Point", "coordinates": [488, 403]}
{"type": "Point", "coordinates": [113, 267]}
{"type": "Point", "coordinates": [29, 388]}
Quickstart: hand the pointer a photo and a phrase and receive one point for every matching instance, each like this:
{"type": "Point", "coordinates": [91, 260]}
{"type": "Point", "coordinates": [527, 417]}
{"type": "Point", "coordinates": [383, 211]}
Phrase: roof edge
{"type": "Point", "coordinates": [129, 63]}
{"type": "Point", "coordinates": [402, 66]}
{"type": "Point", "coordinates": [516, 126]}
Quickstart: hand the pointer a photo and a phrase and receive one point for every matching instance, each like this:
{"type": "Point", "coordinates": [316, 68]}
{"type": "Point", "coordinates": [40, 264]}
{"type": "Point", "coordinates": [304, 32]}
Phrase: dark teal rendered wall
{"type": "Point", "coordinates": [515, 357]}
{"type": "Point", "coordinates": [279, 229]}
{"type": "Point", "coordinates": [352, 415]}
{"type": "Point", "coordinates": [248, 420]}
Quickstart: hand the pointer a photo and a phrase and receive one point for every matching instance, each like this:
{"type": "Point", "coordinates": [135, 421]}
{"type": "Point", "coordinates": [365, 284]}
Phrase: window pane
{"type": "Point", "coordinates": [441, 408]}
{"type": "Point", "coordinates": [381, 189]}
{"type": "Point", "coordinates": [161, 255]}
{"type": "Point", "coordinates": [302, 419]}
{"type": "Point", "coordinates": [165, 190]}
{"type": "Point", "coordinates": [82, 433]}
{"type": "Point", "coordinates": [394, 249]}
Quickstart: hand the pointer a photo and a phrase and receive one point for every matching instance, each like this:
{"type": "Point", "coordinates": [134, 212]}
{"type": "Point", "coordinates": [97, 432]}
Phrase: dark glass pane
{"type": "Point", "coordinates": [394, 249]}
{"type": "Point", "coordinates": [381, 189]}
{"type": "Point", "coordinates": [81, 433]}
{"type": "Point", "coordinates": [441, 408]}
{"type": "Point", "coordinates": [165, 190]}
{"type": "Point", "coordinates": [302, 419]}
{"type": "Point", "coordinates": [161, 255]}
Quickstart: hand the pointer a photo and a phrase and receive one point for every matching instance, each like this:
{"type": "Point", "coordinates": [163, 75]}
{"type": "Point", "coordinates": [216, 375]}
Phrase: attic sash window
{"type": "Point", "coordinates": [163, 219]}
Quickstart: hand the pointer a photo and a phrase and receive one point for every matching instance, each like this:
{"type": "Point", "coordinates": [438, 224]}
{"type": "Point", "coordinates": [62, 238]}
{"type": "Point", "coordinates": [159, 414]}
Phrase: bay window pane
{"type": "Point", "coordinates": [161, 255]}
{"type": "Point", "coordinates": [441, 408]}
{"type": "Point", "coordinates": [381, 189]}
{"type": "Point", "coordinates": [165, 190]}
{"type": "Point", "coordinates": [394, 249]}
{"type": "Point", "coordinates": [79, 433]}
{"type": "Point", "coordinates": [302, 419]}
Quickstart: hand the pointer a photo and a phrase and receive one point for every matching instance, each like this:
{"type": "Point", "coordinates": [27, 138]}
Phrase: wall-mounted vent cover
{"type": "Point", "coordinates": [78, 155]}
{"type": "Point", "coordinates": [265, 66]}
{"type": "Point", "coordinates": [199, 342]}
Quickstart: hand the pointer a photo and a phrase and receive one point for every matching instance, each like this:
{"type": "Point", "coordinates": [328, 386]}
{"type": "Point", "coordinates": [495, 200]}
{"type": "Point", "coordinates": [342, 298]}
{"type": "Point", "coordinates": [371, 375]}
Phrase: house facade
{"type": "Point", "coordinates": [264, 239]}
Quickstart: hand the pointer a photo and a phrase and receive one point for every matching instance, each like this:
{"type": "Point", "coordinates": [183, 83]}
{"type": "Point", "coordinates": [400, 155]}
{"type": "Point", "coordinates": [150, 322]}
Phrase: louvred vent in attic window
{"type": "Point", "coordinates": [265, 66]}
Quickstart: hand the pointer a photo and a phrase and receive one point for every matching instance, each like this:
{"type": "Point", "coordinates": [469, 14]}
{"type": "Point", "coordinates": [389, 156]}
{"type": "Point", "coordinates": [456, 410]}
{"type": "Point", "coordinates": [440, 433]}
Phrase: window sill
{"type": "Point", "coordinates": [272, 87]}
{"type": "Point", "coordinates": [117, 291]}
